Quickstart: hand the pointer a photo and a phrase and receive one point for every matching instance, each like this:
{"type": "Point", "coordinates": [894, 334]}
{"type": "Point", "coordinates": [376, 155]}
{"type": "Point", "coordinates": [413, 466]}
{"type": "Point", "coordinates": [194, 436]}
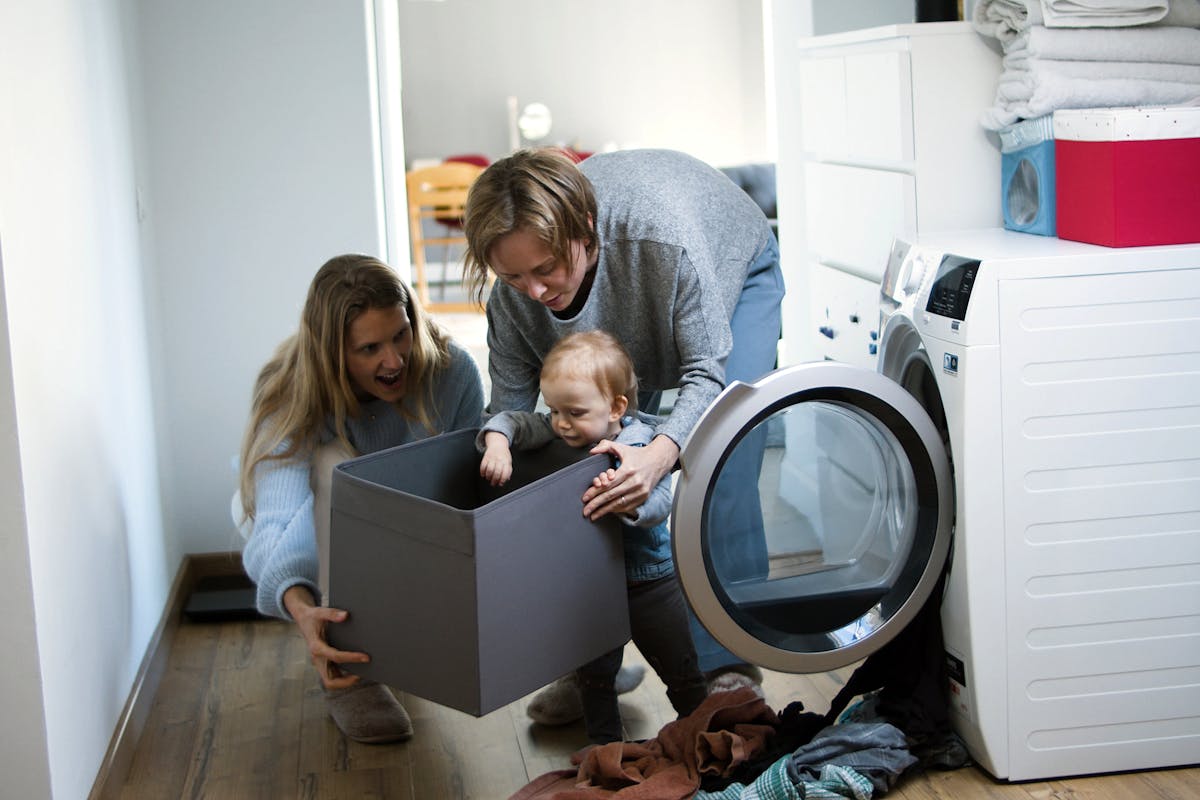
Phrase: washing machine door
{"type": "Point", "coordinates": [813, 514]}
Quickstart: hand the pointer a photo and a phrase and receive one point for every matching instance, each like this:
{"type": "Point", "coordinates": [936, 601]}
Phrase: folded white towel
{"type": "Point", "coordinates": [1034, 71]}
{"type": "Point", "coordinates": [1102, 13]}
{"type": "Point", "coordinates": [1053, 92]}
{"type": "Point", "coordinates": [1016, 101]}
{"type": "Point", "coordinates": [1004, 19]}
{"type": "Point", "coordinates": [1155, 44]}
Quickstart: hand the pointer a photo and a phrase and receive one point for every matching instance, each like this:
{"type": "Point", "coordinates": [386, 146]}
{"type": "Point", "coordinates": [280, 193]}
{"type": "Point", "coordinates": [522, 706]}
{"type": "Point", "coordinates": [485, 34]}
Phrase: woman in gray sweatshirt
{"type": "Point", "coordinates": [678, 263]}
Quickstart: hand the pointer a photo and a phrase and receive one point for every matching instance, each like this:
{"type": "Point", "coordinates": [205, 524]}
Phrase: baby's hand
{"type": "Point", "coordinates": [604, 479]}
{"type": "Point", "coordinates": [496, 465]}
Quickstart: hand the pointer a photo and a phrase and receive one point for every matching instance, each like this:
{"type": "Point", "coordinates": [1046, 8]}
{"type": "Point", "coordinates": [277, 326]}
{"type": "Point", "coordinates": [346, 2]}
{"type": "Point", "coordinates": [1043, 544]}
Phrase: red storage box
{"type": "Point", "coordinates": [1128, 176]}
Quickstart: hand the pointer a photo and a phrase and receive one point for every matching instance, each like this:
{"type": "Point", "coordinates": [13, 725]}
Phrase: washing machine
{"type": "Point", "coordinates": [1033, 425]}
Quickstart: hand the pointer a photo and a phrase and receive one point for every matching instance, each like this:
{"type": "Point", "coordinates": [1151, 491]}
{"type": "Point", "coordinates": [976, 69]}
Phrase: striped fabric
{"type": "Point", "coordinates": [836, 783]}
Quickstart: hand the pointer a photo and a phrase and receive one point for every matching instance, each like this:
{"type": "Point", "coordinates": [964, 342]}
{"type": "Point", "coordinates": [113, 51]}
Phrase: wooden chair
{"type": "Point", "coordinates": [439, 194]}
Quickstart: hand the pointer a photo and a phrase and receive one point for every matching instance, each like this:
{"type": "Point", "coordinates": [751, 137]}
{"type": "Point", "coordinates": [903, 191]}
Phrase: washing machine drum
{"type": "Point", "coordinates": [813, 515]}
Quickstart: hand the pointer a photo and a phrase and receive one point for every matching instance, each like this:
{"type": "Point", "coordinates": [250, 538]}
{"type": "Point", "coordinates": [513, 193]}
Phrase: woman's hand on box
{"type": "Point", "coordinates": [626, 488]}
{"type": "Point", "coordinates": [312, 619]}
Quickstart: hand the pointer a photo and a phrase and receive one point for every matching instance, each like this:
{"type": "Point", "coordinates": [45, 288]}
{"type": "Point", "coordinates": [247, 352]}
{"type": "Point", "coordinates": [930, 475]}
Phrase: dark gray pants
{"type": "Point", "coordinates": [658, 620]}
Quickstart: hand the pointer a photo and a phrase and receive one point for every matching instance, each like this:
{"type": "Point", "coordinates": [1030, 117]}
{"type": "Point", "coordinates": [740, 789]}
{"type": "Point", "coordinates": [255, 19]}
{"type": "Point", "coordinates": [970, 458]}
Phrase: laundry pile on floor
{"type": "Point", "coordinates": [1090, 54]}
{"type": "Point", "coordinates": [735, 747]}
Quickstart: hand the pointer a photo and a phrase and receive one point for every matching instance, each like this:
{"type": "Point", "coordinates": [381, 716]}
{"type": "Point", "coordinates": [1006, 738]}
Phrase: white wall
{"type": "Point", "coordinates": [261, 164]}
{"type": "Point", "coordinates": [24, 761]}
{"type": "Point", "coordinates": [99, 565]}
{"type": "Point", "coordinates": [248, 132]}
{"type": "Point", "coordinates": [836, 16]}
{"type": "Point", "coordinates": [654, 73]}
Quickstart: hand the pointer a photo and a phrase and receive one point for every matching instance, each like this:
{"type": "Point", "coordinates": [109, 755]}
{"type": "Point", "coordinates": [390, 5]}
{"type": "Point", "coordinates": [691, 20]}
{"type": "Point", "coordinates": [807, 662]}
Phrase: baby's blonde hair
{"type": "Point", "coordinates": [596, 356]}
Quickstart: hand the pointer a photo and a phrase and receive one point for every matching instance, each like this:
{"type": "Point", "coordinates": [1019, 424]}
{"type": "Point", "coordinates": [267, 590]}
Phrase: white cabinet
{"type": "Point", "coordinates": [845, 313]}
{"type": "Point", "coordinates": [853, 213]}
{"type": "Point", "coordinates": [888, 144]}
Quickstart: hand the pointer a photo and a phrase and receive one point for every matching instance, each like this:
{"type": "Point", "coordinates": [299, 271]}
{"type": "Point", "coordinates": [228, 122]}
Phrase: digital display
{"type": "Point", "coordinates": [952, 287]}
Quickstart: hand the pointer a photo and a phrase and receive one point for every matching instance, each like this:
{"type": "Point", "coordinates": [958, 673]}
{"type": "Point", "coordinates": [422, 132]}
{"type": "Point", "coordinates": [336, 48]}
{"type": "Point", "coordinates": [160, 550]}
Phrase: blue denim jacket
{"type": "Point", "coordinates": [647, 552]}
{"type": "Point", "coordinates": [646, 535]}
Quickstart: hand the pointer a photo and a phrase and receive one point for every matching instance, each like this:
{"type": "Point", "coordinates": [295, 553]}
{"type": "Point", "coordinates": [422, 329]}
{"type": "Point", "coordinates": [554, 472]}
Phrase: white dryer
{"type": "Point", "coordinates": [1036, 415]}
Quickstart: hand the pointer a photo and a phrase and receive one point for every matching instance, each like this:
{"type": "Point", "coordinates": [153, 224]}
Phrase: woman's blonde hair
{"type": "Point", "coordinates": [539, 190]}
{"type": "Point", "coordinates": [305, 389]}
{"type": "Point", "coordinates": [596, 356]}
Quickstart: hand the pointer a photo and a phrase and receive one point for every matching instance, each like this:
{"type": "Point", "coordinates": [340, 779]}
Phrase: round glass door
{"type": "Point", "coordinates": [812, 516]}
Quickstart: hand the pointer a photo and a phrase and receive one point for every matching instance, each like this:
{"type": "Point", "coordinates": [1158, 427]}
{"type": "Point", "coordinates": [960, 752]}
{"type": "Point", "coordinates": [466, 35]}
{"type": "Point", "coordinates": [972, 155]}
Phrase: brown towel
{"type": "Point", "coordinates": [726, 730]}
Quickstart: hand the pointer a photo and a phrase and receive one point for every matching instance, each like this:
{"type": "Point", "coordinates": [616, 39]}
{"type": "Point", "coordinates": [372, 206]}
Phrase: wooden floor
{"type": "Point", "coordinates": [239, 714]}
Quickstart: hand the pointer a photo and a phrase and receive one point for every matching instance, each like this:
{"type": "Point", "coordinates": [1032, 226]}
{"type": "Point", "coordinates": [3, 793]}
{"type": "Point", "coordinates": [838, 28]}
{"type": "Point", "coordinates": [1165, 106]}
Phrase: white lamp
{"type": "Point", "coordinates": [530, 126]}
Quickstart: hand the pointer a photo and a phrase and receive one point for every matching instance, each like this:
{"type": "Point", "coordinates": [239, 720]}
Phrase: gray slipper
{"type": "Point", "coordinates": [368, 712]}
{"type": "Point", "coordinates": [629, 678]}
{"type": "Point", "coordinates": [734, 676]}
{"type": "Point", "coordinates": [560, 704]}
{"type": "Point", "coordinates": [557, 704]}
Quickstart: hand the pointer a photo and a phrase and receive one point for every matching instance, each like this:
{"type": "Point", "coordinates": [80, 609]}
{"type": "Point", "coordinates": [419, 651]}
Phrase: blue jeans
{"type": "Point", "coordinates": [736, 537]}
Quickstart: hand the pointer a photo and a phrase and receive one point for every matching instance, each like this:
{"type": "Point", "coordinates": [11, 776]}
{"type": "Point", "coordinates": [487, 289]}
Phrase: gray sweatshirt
{"type": "Point", "coordinates": [676, 238]}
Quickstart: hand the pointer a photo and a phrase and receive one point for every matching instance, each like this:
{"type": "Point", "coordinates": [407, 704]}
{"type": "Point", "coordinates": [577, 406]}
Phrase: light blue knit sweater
{"type": "Point", "coordinates": [282, 550]}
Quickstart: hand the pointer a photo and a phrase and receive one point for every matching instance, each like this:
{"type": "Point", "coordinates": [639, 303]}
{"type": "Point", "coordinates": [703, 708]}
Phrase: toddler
{"type": "Point", "coordinates": [587, 382]}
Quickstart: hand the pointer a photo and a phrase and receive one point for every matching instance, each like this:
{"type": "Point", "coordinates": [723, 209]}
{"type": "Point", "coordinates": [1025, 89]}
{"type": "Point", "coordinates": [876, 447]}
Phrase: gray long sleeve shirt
{"type": "Point", "coordinates": [676, 239]}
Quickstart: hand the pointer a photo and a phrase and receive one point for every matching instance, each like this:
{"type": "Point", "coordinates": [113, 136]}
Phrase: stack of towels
{"type": "Point", "coordinates": [1091, 54]}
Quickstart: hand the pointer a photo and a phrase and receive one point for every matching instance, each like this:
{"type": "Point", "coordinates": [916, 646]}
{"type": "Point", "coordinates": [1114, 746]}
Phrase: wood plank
{"type": "Point", "coordinates": [1172, 783]}
{"type": "Point", "coordinates": [250, 727]}
{"type": "Point", "coordinates": [968, 782]}
{"type": "Point", "coordinates": [1120, 786]}
{"type": "Point", "coordinates": [394, 782]}
{"type": "Point", "coordinates": [544, 749]}
{"type": "Point", "coordinates": [455, 755]}
{"type": "Point", "coordinates": [170, 734]}
{"type": "Point", "coordinates": [323, 748]}
{"type": "Point", "coordinates": [114, 770]}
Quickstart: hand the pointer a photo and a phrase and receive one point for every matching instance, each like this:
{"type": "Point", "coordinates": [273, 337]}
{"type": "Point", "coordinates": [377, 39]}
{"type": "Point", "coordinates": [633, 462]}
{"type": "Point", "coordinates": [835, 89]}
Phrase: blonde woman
{"type": "Point", "coordinates": [365, 370]}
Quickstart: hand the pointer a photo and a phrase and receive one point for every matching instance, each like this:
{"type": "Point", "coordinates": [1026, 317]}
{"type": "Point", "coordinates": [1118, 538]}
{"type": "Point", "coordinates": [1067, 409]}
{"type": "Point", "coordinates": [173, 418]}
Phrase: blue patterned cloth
{"type": "Point", "coordinates": [836, 783]}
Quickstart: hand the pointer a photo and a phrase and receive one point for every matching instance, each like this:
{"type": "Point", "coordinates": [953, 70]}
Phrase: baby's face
{"type": "Point", "coordinates": [579, 412]}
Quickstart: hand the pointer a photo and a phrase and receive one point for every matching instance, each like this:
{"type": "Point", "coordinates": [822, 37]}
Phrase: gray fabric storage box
{"type": "Point", "coordinates": [469, 595]}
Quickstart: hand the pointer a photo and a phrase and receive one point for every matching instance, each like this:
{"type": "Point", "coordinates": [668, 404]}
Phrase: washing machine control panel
{"type": "Point", "coordinates": [905, 272]}
{"type": "Point", "coordinates": [951, 289]}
